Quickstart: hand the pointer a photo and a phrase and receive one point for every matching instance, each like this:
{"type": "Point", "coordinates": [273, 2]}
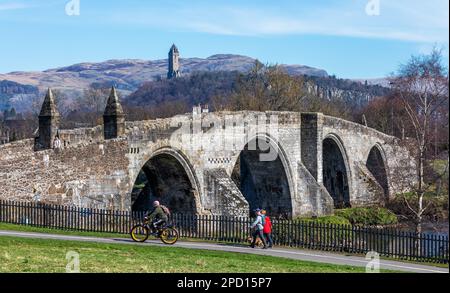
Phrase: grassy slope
{"type": "Point", "coordinates": [31, 255]}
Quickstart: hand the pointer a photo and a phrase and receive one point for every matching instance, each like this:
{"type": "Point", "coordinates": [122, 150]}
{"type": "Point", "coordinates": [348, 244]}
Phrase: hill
{"type": "Point", "coordinates": [129, 74]}
{"type": "Point", "coordinates": [12, 93]}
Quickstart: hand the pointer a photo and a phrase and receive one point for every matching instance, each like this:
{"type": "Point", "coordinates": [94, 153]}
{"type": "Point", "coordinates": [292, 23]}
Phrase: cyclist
{"type": "Point", "coordinates": [157, 217]}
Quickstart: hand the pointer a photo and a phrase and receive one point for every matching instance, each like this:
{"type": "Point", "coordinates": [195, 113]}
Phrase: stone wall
{"type": "Point", "coordinates": [91, 175]}
{"type": "Point", "coordinates": [315, 199]}
{"type": "Point", "coordinates": [223, 196]}
{"type": "Point", "coordinates": [91, 172]}
{"type": "Point", "coordinates": [311, 143]}
{"type": "Point", "coordinates": [357, 141]}
{"type": "Point", "coordinates": [81, 136]}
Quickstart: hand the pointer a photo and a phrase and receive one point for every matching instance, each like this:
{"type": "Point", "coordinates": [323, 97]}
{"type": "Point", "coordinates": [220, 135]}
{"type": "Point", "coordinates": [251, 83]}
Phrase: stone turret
{"type": "Point", "coordinates": [114, 117]}
{"type": "Point", "coordinates": [174, 63]}
{"type": "Point", "coordinates": [49, 119]}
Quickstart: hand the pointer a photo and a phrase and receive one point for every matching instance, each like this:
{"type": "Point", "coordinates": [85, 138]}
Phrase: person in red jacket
{"type": "Point", "coordinates": [267, 229]}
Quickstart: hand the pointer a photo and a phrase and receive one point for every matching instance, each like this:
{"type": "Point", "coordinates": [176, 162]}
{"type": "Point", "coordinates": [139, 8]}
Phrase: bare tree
{"type": "Point", "coordinates": [91, 104]}
{"type": "Point", "coordinates": [62, 102]}
{"type": "Point", "coordinates": [95, 99]}
{"type": "Point", "coordinates": [422, 87]}
{"type": "Point", "coordinates": [267, 88]}
{"type": "Point", "coordinates": [386, 114]}
{"type": "Point", "coordinates": [36, 103]}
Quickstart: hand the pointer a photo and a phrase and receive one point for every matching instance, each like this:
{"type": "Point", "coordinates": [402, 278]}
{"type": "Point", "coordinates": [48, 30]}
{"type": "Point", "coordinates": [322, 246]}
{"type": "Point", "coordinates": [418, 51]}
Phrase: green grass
{"type": "Point", "coordinates": [23, 228]}
{"type": "Point", "coordinates": [370, 216]}
{"type": "Point", "coordinates": [49, 256]}
{"type": "Point", "coordinates": [336, 220]}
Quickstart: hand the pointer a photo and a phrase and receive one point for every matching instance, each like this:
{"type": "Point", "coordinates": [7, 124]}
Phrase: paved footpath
{"type": "Point", "coordinates": [313, 256]}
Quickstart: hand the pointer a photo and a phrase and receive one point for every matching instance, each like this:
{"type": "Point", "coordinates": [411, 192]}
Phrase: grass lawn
{"type": "Point", "coordinates": [37, 255]}
{"type": "Point", "coordinates": [23, 228]}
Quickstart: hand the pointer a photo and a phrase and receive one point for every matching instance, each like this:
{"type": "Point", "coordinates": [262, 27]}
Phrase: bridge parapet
{"type": "Point", "coordinates": [80, 136]}
{"type": "Point", "coordinates": [93, 172]}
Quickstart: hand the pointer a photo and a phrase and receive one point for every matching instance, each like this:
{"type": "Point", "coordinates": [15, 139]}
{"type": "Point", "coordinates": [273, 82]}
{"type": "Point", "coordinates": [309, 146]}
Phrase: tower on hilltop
{"type": "Point", "coordinates": [174, 63]}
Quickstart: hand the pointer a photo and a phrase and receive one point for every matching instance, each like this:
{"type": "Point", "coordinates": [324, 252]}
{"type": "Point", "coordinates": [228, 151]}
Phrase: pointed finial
{"type": "Point", "coordinates": [49, 92]}
{"type": "Point", "coordinates": [49, 105]}
{"type": "Point", "coordinates": [113, 106]}
{"type": "Point", "coordinates": [114, 117]}
{"type": "Point", "coordinates": [113, 94]}
{"type": "Point", "coordinates": [50, 96]}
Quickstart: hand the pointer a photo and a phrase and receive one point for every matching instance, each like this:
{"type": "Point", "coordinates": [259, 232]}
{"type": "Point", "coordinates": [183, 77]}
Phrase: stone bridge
{"type": "Point", "coordinates": [225, 163]}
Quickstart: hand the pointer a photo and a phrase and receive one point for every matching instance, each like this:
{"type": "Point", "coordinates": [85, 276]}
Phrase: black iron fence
{"type": "Point", "coordinates": [387, 242]}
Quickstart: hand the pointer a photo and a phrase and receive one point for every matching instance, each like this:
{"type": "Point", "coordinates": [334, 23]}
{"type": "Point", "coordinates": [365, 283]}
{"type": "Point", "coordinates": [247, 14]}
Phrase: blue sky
{"type": "Point", "coordinates": [343, 37]}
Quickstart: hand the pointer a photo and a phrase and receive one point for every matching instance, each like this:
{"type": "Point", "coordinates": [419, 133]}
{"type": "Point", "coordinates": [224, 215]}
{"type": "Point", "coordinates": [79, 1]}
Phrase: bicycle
{"type": "Point", "coordinates": [167, 234]}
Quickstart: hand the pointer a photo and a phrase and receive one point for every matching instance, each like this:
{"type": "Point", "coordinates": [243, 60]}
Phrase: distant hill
{"type": "Point", "coordinates": [129, 74]}
{"type": "Point", "coordinates": [202, 87]}
{"type": "Point", "coordinates": [12, 92]}
{"type": "Point", "coordinates": [138, 78]}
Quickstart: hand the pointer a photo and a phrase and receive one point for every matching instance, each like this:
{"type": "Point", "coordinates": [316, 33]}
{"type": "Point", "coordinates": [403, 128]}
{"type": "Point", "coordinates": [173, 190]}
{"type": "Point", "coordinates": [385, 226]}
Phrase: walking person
{"type": "Point", "coordinates": [258, 229]}
{"type": "Point", "coordinates": [267, 230]}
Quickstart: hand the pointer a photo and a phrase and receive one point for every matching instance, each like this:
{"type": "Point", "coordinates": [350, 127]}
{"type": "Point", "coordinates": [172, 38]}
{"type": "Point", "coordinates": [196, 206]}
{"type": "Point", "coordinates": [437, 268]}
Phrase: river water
{"type": "Point", "coordinates": [439, 228]}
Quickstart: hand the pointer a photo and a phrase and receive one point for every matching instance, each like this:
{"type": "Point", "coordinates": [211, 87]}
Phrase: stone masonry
{"type": "Point", "coordinates": [213, 165]}
{"type": "Point", "coordinates": [48, 123]}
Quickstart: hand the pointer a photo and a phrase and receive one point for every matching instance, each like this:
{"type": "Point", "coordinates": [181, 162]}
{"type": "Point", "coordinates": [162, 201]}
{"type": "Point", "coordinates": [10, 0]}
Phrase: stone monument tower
{"type": "Point", "coordinates": [174, 63]}
{"type": "Point", "coordinates": [114, 117]}
{"type": "Point", "coordinates": [49, 119]}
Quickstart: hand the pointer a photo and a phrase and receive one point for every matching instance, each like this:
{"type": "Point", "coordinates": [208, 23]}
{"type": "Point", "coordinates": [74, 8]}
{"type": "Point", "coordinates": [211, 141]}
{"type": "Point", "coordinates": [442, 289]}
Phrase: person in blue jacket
{"type": "Point", "coordinates": [258, 228]}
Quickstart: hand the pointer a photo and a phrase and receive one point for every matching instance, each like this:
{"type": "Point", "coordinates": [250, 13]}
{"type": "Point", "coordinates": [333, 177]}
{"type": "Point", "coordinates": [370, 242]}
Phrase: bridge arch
{"type": "Point", "coordinates": [166, 175]}
{"type": "Point", "coordinates": [377, 165]}
{"type": "Point", "coordinates": [266, 183]}
{"type": "Point", "coordinates": [336, 170]}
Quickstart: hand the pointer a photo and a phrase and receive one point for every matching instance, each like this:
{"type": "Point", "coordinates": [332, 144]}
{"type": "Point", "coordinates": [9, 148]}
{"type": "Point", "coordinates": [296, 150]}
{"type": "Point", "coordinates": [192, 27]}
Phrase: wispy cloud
{"type": "Point", "coordinates": [13, 6]}
{"type": "Point", "coordinates": [29, 4]}
{"type": "Point", "coordinates": [406, 20]}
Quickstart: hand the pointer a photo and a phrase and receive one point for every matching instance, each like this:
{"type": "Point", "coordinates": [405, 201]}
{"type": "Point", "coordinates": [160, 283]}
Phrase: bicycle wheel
{"type": "Point", "coordinates": [139, 233]}
{"type": "Point", "coordinates": [169, 236]}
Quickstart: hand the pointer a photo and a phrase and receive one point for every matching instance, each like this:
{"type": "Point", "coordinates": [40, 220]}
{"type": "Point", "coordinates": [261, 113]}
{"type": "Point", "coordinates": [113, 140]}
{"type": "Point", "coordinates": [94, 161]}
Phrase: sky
{"type": "Point", "coordinates": [347, 38]}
